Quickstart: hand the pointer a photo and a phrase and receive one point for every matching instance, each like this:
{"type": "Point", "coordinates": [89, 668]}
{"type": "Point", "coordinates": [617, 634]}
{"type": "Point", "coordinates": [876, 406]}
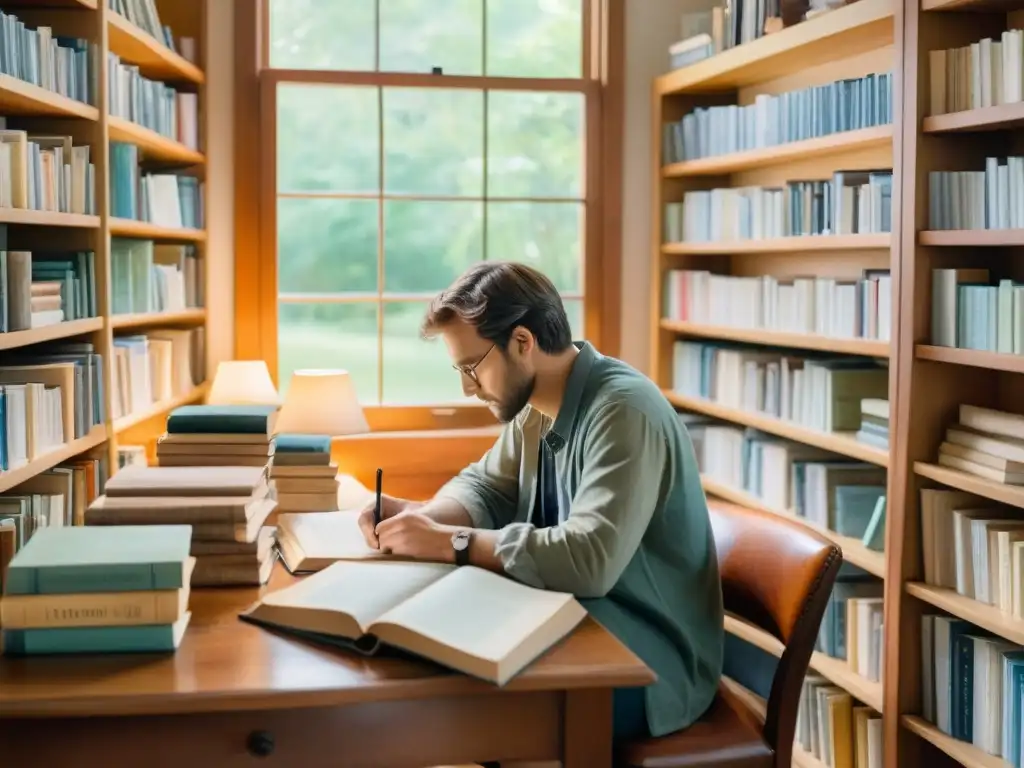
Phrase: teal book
{"type": "Point", "coordinates": [144, 638]}
{"type": "Point", "coordinates": [289, 443]}
{"type": "Point", "coordinates": [115, 558]}
{"type": "Point", "coordinates": [222, 419]}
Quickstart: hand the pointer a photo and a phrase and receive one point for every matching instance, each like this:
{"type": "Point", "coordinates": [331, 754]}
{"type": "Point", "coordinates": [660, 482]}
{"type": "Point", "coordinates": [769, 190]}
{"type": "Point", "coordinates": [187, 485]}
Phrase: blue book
{"type": "Point", "coordinates": [214, 419]}
{"type": "Point", "coordinates": [144, 638]}
{"type": "Point", "coordinates": [288, 443]}
{"type": "Point", "coordinates": [119, 558]}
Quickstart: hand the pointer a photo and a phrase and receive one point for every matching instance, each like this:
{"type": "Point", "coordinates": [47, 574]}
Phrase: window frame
{"type": "Point", "coordinates": [256, 194]}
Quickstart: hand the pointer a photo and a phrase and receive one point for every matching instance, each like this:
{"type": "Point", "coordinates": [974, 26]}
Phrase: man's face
{"type": "Point", "coordinates": [503, 379]}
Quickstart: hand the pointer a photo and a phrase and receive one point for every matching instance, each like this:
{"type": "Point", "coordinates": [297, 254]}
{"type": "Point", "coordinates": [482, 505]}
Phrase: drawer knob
{"type": "Point", "coordinates": [261, 743]}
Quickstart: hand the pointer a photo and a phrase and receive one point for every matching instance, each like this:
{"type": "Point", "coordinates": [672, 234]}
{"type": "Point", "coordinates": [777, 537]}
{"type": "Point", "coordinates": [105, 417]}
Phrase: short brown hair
{"type": "Point", "coordinates": [496, 297]}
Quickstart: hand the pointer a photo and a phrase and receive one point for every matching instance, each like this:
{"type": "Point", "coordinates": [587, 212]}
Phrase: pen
{"type": "Point", "coordinates": [376, 509]}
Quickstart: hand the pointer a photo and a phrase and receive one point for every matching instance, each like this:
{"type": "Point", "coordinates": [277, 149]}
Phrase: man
{"type": "Point", "coordinates": [592, 488]}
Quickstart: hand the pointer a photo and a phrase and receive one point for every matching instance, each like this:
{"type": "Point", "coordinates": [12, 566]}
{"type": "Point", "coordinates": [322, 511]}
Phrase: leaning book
{"type": "Point", "coordinates": [465, 618]}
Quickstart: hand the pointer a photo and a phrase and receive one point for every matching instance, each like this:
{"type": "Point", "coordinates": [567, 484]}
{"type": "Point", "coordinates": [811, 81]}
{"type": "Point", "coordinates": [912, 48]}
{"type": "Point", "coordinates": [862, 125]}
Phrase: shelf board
{"type": "Point", "coordinates": [853, 550]}
{"type": "Point", "coordinates": [153, 58]}
{"type": "Point", "coordinates": [966, 754]}
{"type": "Point", "coordinates": [15, 477]}
{"type": "Point", "coordinates": [782, 244]}
{"type": "Point", "coordinates": [856, 28]}
{"type": "Point", "coordinates": [842, 674]}
{"type": "Point", "coordinates": [150, 319]}
{"type": "Point", "coordinates": [985, 119]}
{"type": "Point", "coordinates": [158, 409]}
{"type": "Point", "coordinates": [131, 228]}
{"type": "Point", "coordinates": [20, 98]}
{"type": "Point", "coordinates": [976, 358]}
{"type": "Point", "coordinates": [31, 217]}
{"type": "Point", "coordinates": [987, 616]}
{"type": "Point", "coordinates": [974, 237]}
{"type": "Point", "coordinates": [836, 670]}
{"type": "Point", "coordinates": [970, 5]}
{"type": "Point", "coordinates": [867, 347]}
{"type": "Point", "coordinates": [746, 696]}
{"type": "Point", "coordinates": [1013, 495]}
{"type": "Point", "coordinates": [16, 339]}
{"type": "Point", "coordinates": [840, 443]}
{"type": "Point", "coordinates": [804, 759]}
{"type": "Point", "coordinates": [154, 146]}
{"type": "Point", "coordinates": [822, 146]}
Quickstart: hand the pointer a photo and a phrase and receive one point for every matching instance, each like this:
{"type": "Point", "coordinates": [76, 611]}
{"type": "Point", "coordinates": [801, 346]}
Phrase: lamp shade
{"type": "Point", "coordinates": [321, 402]}
{"type": "Point", "coordinates": [243, 382]}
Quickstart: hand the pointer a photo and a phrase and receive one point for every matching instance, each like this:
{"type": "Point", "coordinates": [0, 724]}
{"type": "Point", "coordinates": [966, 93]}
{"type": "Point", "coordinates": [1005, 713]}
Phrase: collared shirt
{"type": "Point", "coordinates": [633, 539]}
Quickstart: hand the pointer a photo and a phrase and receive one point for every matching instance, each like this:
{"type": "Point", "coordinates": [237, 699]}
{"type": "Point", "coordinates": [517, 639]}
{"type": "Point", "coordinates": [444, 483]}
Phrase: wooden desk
{"type": "Point", "coordinates": [238, 695]}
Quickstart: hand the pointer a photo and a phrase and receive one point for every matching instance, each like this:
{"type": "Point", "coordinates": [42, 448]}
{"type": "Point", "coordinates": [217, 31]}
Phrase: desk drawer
{"type": "Point", "coordinates": [407, 734]}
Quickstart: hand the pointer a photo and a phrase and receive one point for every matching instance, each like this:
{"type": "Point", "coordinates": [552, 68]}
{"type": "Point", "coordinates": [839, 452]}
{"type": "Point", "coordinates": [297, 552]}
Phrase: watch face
{"type": "Point", "coordinates": [460, 540]}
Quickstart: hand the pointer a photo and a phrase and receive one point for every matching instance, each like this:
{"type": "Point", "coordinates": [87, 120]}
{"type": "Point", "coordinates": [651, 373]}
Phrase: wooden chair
{"type": "Point", "coordinates": [778, 575]}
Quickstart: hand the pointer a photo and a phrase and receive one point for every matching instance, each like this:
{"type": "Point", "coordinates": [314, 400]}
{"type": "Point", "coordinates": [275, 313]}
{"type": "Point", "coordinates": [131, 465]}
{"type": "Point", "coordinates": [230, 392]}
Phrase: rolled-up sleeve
{"type": "Point", "coordinates": [489, 488]}
{"type": "Point", "coordinates": [622, 475]}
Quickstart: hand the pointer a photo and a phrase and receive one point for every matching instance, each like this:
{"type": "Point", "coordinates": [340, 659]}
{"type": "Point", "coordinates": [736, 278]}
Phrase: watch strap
{"type": "Point", "coordinates": [462, 555]}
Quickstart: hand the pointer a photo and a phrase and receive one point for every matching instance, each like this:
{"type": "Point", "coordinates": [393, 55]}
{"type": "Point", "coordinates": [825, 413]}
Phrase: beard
{"type": "Point", "coordinates": [521, 390]}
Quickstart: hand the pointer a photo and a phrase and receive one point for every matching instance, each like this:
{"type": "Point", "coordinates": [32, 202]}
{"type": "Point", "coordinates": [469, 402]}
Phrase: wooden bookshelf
{"type": "Point", "coordinates": [835, 144]}
{"type": "Point", "coordinates": [967, 755]}
{"type": "Point", "coordinates": [837, 671]}
{"type": "Point", "coordinates": [18, 97]}
{"type": "Point", "coordinates": [17, 475]}
{"type": "Point", "coordinates": [145, 230]}
{"type": "Point", "coordinates": [857, 28]}
{"type": "Point", "coordinates": [849, 42]}
{"type": "Point", "coordinates": [816, 243]}
{"type": "Point", "coordinates": [927, 382]}
{"type": "Point", "coordinates": [933, 380]}
{"type": "Point", "coordinates": [153, 145]}
{"type": "Point", "coordinates": [158, 409]}
{"type": "Point", "coordinates": [40, 111]}
{"type": "Point", "coordinates": [842, 444]}
{"type": "Point", "coordinates": [866, 347]}
{"type": "Point", "coordinates": [154, 319]}
{"type": "Point", "coordinates": [853, 550]}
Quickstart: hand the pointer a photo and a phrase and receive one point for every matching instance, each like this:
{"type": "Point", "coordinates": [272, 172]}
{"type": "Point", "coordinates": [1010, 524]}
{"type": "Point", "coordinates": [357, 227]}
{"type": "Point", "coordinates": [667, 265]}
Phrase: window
{"type": "Point", "coordinates": [410, 139]}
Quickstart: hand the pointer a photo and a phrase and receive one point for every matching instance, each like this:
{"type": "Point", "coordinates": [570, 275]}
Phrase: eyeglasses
{"type": "Point", "coordinates": [470, 370]}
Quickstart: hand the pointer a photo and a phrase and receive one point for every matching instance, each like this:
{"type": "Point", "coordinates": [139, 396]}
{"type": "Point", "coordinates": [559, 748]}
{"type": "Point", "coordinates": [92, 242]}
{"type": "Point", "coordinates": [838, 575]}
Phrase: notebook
{"type": "Point", "coordinates": [465, 618]}
{"type": "Point", "coordinates": [311, 541]}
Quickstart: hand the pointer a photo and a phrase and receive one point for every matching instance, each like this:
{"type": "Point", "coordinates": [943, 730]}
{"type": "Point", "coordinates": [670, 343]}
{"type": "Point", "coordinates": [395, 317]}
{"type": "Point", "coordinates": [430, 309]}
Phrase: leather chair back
{"type": "Point", "coordinates": [776, 575]}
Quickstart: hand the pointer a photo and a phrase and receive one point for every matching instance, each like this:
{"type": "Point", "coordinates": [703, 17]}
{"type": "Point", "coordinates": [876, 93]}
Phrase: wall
{"type": "Point", "coordinates": [651, 26]}
{"type": "Point", "coordinates": [220, 183]}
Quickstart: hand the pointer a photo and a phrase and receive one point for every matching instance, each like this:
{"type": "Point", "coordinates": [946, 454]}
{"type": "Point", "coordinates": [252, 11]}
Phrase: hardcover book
{"type": "Point", "coordinates": [465, 618]}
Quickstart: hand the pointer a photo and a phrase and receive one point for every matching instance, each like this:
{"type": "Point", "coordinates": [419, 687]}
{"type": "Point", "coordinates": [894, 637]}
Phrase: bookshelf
{"type": "Point", "coordinates": [728, 299]}
{"type": "Point", "coordinates": [949, 130]}
{"type": "Point", "coordinates": [147, 105]}
{"type": "Point", "coordinates": [953, 141]}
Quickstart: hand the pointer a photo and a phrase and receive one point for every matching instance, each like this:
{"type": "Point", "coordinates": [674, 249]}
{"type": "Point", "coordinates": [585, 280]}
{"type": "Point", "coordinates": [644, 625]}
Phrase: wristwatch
{"type": "Point", "coordinates": [460, 543]}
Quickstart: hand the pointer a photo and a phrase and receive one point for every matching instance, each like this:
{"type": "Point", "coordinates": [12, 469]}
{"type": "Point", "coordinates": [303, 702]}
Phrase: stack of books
{"type": "Point", "coordinates": [302, 475]}
{"type": "Point", "coordinates": [217, 436]}
{"type": "Point", "coordinates": [226, 507]}
{"type": "Point", "coordinates": [986, 443]}
{"type": "Point", "coordinates": [874, 422]}
{"type": "Point", "coordinates": [98, 590]}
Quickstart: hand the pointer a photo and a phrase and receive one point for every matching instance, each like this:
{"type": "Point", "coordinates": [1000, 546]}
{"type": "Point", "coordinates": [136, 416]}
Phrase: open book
{"type": "Point", "coordinates": [311, 541]}
{"type": "Point", "coordinates": [465, 618]}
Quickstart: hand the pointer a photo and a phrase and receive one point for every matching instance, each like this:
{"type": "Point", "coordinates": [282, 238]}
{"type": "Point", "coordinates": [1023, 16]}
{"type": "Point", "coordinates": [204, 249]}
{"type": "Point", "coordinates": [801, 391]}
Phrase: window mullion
{"type": "Point", "coordinates": [380, 236]}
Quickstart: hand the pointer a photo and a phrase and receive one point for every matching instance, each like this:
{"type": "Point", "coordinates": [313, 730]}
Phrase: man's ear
{"type": "Point", "coordinates": [523, 340]}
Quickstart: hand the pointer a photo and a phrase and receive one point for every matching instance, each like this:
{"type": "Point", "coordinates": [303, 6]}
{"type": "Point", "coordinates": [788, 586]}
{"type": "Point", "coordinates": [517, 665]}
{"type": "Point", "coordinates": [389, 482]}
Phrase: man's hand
{"type": "Point", "coordinates": [389, 507]}
{"type": "Point", "coordinates": [417, 536]}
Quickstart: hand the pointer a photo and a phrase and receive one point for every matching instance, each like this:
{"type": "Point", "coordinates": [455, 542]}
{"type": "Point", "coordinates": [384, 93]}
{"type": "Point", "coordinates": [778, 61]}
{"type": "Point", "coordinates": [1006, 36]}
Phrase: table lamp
{"type": "Point", "coordinates": [243, 382]}
{"type": "Point", "coordinates": [320, 404]}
